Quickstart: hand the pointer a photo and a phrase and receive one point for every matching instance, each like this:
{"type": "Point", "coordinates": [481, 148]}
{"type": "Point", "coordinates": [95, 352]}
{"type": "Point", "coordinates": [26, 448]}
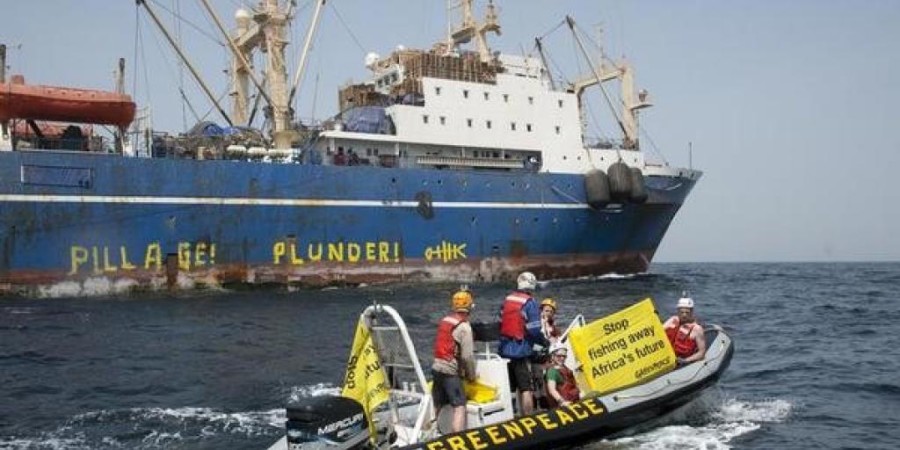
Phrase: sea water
{"type": "Point", "coordinates": [816, 362]}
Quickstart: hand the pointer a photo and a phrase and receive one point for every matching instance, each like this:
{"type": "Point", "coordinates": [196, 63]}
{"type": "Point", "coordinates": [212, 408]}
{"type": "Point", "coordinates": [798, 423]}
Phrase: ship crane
{"type": "Point", "coordinates": [631, 101]}
{"type": "Point", "coordinates": [471, 29]}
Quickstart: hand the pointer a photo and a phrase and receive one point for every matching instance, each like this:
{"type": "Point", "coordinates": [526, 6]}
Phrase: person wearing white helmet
{"type": "Point", "coordinates": [520, 331]}
{"type": "Point", "coordinates": [454, 359]}
{"type": "Point", "coordinates": [560, 381]}
{"type": "Point", "coordinates": [685, 334]}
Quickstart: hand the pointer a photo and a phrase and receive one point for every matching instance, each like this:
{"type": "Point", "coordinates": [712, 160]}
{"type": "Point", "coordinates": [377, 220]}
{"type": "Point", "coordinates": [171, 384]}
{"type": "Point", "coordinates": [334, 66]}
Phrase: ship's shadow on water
{"type": "Point", "coordinates": [214, 369]}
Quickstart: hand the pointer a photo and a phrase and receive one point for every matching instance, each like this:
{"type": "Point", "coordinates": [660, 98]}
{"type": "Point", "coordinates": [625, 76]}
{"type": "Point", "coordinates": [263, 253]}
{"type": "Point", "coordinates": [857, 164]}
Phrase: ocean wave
{"type": "Point", "coordinates": [314, 390]}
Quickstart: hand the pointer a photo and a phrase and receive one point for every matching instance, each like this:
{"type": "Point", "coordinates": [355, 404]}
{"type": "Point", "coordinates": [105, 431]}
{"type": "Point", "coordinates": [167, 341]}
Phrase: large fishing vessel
{"type": "Point", "coordinates": [445, 164]}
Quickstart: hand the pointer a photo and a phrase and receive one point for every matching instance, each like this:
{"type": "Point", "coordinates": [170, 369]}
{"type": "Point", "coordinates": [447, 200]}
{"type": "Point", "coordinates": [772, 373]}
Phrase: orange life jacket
{"type": "Point", "coordinates": [682, 343]}
{"type": "Point", "coordinates": [444, 344]}
{"type": "Point", "coordinates": [512, 322]}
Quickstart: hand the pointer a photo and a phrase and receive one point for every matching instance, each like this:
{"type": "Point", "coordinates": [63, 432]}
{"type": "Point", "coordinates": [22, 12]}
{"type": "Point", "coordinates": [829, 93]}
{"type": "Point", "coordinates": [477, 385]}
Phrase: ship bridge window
{"type": "Point", "coordinates": [469, 122]}
{"type": "Point", "coordinates": [488, 124]}
{"type": "Point", "coordinates": [505, 98]}
{"type": "Point", "coordinates": [465, 93]}
{"type": "Point", "coordinates": [560, 102]}
{"type": "Point", "coordinates": [528, 127]}
{"type": "Point", "coordinates": [437, 90]}
{"type": "Point", "coordinates": [443, 120]}
{"type": "Point", "coordinates": [530, 100]}
{"type": "Point", "coordinates": [557, 129]}
{"type": "Point", "coordinates": [487, 96]}
{"type": "Point", "coordinates": [512, 126]}
{"type": "Point", "coordinates": [425, 118]}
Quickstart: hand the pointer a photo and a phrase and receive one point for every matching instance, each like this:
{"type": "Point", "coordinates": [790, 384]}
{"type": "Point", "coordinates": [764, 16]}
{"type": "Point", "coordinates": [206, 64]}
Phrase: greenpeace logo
{"type": "Point", "coordinates": [344, 423]}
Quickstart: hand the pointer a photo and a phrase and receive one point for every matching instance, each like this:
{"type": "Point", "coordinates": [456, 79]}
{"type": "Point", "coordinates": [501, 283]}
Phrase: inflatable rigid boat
{"type": "Point", "coordinates": [407, 421]}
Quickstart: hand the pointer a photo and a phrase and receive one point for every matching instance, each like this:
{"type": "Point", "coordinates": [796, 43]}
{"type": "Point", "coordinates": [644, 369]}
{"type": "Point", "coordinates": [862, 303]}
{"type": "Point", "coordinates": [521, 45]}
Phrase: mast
{"type": "Point", "coordinates": [187, 62]}
{"type": "Point", "coordinates": [540, 49]}
{"type": "Point", "coordinates": [301, 66]}
{"type": "Point", "coordinates": [2, 63]}
{"type": "Point", "coordinates": [273, 22]}
{"type": "Point", "coordinates": [240, 67]}
{"type": "Point", "coordinates": [267, 32]}
{"type": "Point", "coordinates": [471, 29]}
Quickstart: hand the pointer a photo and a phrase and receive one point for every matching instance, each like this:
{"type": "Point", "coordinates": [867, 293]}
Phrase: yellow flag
{"type": "Point", "coordinates": [623, 349]}
{"type": "Point", "coordinates": [365, 381]}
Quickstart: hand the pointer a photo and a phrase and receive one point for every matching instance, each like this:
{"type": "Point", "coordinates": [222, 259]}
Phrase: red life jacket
{"type": "Point", "coordinates": [568, 389]}
{"type": "Point", "coordinates": [444, 344]}
{"type": "Point", "coordinates": [682, 343]}
{"type": "Point", "coordinates": [512, 323]}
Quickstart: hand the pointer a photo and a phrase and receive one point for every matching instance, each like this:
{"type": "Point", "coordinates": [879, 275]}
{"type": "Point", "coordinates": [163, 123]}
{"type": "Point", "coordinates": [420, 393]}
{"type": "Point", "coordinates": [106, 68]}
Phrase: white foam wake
{"type": "Point", "coordinates": [715, 430]}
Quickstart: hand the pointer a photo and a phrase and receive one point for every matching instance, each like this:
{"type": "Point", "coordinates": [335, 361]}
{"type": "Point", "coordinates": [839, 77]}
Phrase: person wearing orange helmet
{"type": "Point", "coordinates": [454, 359]}
{"type": "Point", "coordinates": [548, 320]}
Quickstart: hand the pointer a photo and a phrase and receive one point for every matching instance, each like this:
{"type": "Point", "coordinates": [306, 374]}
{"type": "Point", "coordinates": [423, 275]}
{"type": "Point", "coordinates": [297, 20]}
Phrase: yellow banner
{"type": "Point", "coordinates": [623, 349]}
{"type": "Point", "coordinates": [365, 381]}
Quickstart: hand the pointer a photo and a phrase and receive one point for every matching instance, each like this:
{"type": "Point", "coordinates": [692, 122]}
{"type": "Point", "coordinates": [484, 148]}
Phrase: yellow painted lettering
{"type": "Point", "coordinates": [580, 414]}
{"type": "Point", "coordinates": [545, 421]}
{"type": "Point", "coordinates": [396, 252]}
{"type": "Point", "coordinates": [383, 249]}
{"type": "Point", "coordinates": [96, 260]}
{"type": "Point", "coordinates": [529, 423]}
{"type": "Point", "coordinates": [370, 251]}
{"type": "Point", "coordinates": [200, 254]}
{"type": "Point", "coordinates": [353, 252]}
{"type": "Point", "coordinates": [513, 430]}
{"type": "Point", "coordinates": [494, 434]}
{"type": "Point", "coordinates": [78, 256]}
{"type": "Point", "coordinates": [184, 256]}
{"type": "Point", "coordinates": [314, 255]}
{"type": "Point", "coordinates": [336, 251]}
{"type": "Point", "coordinates": [593, 407]}
{"type": "Point", "coordinates": [107, 266]}
{"type": "Point", "coordinates": [278, 250]}
{"type": "Point", "coordinates": [295, 260]}
{"type": "Point", "coordinates": [212, 254]}
{"type": "Point", "coordinates": [435, 445]}
{"type": "Point", "coordinates": [564, 417]}
{"type": "Point", "coordinates": [126, 265]}
{"type": "Point", "coordinates": [153, 256]}
{"type": "Point", "coordinates": [474, 438]}
{"type": "Point", "coordinates": [456, 443]}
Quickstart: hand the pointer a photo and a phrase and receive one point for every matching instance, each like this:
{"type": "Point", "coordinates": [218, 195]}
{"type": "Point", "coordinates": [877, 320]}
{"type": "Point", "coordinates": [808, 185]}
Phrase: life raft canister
{"type": "Point", "coordinates": [512, 324]}
{"type": "Point", "coordinates": [444, 344]}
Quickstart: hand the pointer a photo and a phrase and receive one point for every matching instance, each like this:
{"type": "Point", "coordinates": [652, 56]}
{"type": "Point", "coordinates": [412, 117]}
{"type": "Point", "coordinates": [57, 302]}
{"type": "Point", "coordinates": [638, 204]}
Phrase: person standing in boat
{"type": "Point", "coordinates": [685, 334]}
{"type": "Point", "coordinates": [548, 320]}
{"type": "Point", "coordinates": [540, 360]}
{"type": "Point", "coordinates": [454, 359]}
{"type": "Point", "coordinates": [520, 331]}
{"type": "Point", "coordinates": [560, 381]}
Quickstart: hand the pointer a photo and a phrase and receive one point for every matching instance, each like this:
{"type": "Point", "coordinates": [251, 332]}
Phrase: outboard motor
{"type": "Point", "coordinates": [326, 422]}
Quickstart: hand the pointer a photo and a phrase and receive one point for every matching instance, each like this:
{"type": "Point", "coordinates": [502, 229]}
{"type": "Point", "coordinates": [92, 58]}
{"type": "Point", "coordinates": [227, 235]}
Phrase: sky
{"type": "Point", "coordinates": [790, 108]}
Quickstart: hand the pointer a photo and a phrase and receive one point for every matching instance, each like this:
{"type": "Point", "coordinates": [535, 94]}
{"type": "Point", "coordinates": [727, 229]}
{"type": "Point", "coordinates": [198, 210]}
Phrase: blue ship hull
{"type": "Point", "coordinates": [73, 217]}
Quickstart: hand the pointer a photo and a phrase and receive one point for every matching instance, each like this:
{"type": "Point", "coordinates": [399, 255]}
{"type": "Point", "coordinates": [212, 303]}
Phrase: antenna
{"type": "Point", "coordinates": [690, 155]}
